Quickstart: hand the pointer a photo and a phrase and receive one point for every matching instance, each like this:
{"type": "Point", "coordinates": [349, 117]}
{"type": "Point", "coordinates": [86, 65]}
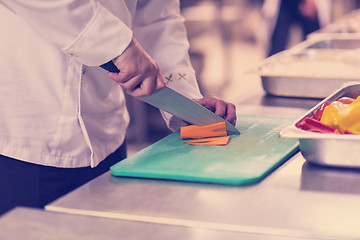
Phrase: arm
{"type": "Point", "coordinates": [159, 28]}
{"type": "Point", "coordinates": [161, 31]}
{"type": "Point", "coordinates": [89, 32]}
{"type": "Point", "coordinates": [73, 26]}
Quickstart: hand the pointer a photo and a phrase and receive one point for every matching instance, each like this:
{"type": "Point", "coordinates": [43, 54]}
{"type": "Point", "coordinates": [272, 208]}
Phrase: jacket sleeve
{"type": "Point", "coordinates": [160, 29]}
{"type": "Point", "coordinates": [83, 29]}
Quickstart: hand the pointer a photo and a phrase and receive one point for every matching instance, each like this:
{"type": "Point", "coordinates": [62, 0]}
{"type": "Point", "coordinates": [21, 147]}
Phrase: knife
{"type": "Point", "coordinates": [180, 106]}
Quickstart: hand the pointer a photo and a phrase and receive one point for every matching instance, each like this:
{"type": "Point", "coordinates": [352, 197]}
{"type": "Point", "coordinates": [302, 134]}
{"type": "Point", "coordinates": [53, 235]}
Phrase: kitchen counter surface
{"type": "Point", "coordinates": [32, 224]}
{"type": "Point", "coordinates": [297, 200]}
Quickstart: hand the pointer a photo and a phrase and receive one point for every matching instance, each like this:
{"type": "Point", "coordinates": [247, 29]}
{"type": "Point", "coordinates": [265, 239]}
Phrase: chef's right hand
{"type": "Point", "coordinates": [139, 73]}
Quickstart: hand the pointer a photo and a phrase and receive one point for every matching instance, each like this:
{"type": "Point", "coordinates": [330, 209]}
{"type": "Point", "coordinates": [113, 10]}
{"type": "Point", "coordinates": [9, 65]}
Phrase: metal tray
{"type": "Point", "coordinates": [347, 24]}
{"type": "Point", "coordinates": [345, 29]}
{"type": "Point", "coordinates": [338, 150]}
{"type": "Point", "coordinates": [313, 69]}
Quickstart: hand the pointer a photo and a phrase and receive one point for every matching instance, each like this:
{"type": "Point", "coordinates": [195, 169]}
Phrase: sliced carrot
{"type": "Point", "coordinates": [212, 130]}
{"type": "Point", "coordinates": [210, 141]}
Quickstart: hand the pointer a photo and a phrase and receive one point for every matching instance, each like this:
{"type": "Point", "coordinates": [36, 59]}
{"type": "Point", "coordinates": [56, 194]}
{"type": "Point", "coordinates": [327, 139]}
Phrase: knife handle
{"type": "Point", "coordinates": [110, 66]}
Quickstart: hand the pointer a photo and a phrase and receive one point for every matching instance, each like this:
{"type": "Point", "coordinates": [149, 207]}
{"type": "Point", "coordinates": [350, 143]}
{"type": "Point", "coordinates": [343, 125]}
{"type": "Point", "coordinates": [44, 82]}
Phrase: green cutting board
{"type": "Point", "coordinates": [247, 159]}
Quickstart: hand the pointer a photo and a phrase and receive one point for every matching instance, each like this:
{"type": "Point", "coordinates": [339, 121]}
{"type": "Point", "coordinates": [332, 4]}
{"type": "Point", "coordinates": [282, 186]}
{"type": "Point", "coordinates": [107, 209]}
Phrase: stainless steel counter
{"type": "Point", "coordinates": [296, 200]}
{"type": "Point", "coordinates": [31, 224]}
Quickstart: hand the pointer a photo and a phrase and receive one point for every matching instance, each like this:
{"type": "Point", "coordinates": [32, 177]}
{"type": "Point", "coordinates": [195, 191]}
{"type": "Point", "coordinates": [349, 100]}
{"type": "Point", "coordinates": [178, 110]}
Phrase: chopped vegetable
{"type": "Point", "coordinates": [210, 141]}
{"type": "Point", "coordinates": [331, 114]}
{"type": "Point", "coordinates": [346, 100]}
{"type": "Point", "coordinates": [212, 130]}
{"type": "Point", "coordinates": [341, 116]}
{"type": "Point", "coordinates": [313, 125]}
{"type": "Point", "coordinates": [213, 134]}
{"type": "Point", "coordinates": [344, 115]}
{"type": "Point", "coordinates": [349, 118]}
{"type": "Point", "coordinates": [319, 112]}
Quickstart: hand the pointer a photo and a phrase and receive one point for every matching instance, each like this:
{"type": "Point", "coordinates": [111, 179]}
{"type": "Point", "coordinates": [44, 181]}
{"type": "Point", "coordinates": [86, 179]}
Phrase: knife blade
{"type": "Point", "coordinates": [180, 106]}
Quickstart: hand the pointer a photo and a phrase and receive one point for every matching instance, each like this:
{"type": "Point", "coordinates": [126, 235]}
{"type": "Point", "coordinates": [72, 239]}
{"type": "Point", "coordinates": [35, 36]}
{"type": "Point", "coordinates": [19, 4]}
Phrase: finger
{"type": "Point", "coordinates": [220, 108]}
{"type": "Point", "coordinates": [150, 86]}
{"type": "Point", "coordinates": [132, 84]}
{"type": "Point", "coordinates": [231, 114]}
{"type": "Point", "coordinates": [160, 82]}
{"type": "Point", "coordinates": [120, 77]}
{"type": "Point", "coordinates": [113, 75]}
{"type": "Point", "coordinates": [206, 102]}
{"type": "Point", "coordinates": [146, 88]}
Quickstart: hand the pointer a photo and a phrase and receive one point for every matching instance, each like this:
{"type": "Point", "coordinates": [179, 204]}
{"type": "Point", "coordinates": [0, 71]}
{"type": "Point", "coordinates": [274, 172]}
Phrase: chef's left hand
{"type": "Point", "coordinates": [219, 107]}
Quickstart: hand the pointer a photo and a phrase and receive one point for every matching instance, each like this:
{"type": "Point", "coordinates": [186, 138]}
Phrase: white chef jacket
{"type": "Point", "coordinates": [57, 107]}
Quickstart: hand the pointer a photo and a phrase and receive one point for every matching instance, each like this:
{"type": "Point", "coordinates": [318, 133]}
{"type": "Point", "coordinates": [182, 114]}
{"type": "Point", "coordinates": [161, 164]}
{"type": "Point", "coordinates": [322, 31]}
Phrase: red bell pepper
{"type": "Point", "coordinates": [320, 110]}
{"type": "Point", "coordinates": [313, 125]}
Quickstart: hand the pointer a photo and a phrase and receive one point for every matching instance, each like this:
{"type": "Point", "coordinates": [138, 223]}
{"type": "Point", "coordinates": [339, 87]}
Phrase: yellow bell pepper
{"type": "Point", "coordinates": [331, 115]}
{"type": "Point", "coordinates": [344, 117]}
{"type": "Point", "coordinates": [350, 118]}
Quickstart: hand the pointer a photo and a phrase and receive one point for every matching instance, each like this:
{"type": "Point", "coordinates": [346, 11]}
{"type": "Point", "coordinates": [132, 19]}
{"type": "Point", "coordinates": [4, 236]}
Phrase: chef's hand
{"type": "Point", "coordinates": [139, 73]}
{"type": "Point", "coordinates": [219, 107]}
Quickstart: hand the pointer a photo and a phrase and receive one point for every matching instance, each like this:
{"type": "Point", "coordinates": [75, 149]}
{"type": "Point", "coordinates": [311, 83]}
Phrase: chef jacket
{"type": "Point", "coordinates": [57, 107]}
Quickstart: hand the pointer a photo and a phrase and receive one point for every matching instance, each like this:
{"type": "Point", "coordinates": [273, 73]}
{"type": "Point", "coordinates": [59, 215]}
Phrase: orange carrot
{"type": "Point", "coordinates": [212, 130]}
{"type": "Point", "coordinates": [210, 141]}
